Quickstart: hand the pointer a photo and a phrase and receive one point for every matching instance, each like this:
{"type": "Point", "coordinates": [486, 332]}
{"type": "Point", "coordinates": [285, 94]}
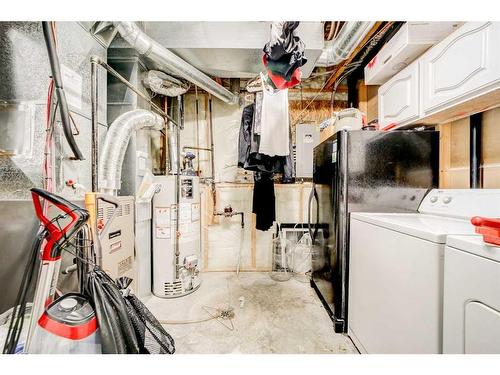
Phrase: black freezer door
{"type": "Point", "coordinates": [363, 171]}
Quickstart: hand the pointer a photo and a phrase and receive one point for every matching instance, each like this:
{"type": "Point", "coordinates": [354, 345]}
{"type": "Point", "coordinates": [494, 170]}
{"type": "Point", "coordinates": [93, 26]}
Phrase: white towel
{"type": "Point", "coordinates": [275, 129]}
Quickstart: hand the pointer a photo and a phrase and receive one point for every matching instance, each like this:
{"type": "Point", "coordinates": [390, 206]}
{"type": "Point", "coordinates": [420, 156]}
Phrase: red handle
{"type": "Point", "coordinates": [479, 221]}
{"type": "Point", "coordinates": [55, 232]}
{"type": "Point", "coordinates": [489, 228]}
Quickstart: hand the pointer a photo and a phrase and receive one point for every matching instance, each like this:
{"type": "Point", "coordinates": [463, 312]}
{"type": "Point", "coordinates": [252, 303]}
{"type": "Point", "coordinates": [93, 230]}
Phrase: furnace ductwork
{"type": "Point", "coordinates": [116, 142]}
{"type": "Point", "coordinates": [349, 37]}
{"type": "Point", "coordinates": [170, 62]}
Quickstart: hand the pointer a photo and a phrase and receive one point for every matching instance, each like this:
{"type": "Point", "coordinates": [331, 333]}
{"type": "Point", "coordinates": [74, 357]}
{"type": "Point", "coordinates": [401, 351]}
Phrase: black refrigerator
{"type": "Point", "coordinates": [362, 171]}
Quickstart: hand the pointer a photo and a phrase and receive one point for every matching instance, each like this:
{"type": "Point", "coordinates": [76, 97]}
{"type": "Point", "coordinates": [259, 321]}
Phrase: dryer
{"type": "Point", "coordinates": [396, 270]}
{"type": "Point", "coordinates": [471, 307]}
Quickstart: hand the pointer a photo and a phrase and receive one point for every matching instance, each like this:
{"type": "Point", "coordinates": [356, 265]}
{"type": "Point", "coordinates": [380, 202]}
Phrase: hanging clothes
{"type": "Point", "coordinates": [284, 55]}
{"type": "Point", "coordinates": [245, 135]}
{"type": "Point", "coordinates": [264, 201]}
{"type": "Point", "coordinates": [286, 67]}
{"type": "Point", "coordinates": [257, 119]}
{"type": "Point", "coordinates": [275, 128]}
{"type": "Point", "coordinates": [283, 41]}
{"type": "Point", "coordinates": [249, 156]}
{"type": "Point", "coordinates": [278, 80]}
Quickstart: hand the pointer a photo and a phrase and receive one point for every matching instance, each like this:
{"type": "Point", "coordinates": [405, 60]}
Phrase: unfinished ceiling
{"type": "Point", "coordinates": [229, 49]}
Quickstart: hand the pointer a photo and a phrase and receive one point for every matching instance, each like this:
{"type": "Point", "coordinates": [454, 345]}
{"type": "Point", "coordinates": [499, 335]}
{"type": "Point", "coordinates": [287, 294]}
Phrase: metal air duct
{"type": "Point", "coordinates": [349, 37]}
{"type": "Point", "coordinates": [170, 62]}
{"type": "Point", "coordinates": [116, 142]}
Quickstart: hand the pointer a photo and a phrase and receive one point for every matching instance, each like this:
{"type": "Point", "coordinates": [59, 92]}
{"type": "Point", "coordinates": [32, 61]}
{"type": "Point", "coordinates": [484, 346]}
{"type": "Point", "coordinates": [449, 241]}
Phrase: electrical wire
{"type": "Point", "coordinates": [50, 42]}
{"type": "Point", "coordinates": [350, 68]}
{"type": "Point", "coordinates": [194, 321]}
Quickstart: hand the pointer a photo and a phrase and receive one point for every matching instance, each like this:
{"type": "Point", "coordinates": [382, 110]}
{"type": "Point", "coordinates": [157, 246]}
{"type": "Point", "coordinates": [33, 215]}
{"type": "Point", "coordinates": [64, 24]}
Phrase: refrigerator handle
{"type": "Point", "coordinates": [314, 194]}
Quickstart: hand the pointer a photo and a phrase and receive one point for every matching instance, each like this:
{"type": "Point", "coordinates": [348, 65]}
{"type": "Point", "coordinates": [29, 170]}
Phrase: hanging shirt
{"type": "Point", "coordinates": [275, 129]}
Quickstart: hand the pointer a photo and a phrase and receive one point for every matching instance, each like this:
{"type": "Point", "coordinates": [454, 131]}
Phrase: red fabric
{"type": "Point", "coordinates": [280, 82]}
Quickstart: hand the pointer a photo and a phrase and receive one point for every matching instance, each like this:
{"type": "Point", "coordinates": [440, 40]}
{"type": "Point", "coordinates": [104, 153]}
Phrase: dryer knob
{"type": "Point", "coordinates": [447, 199]}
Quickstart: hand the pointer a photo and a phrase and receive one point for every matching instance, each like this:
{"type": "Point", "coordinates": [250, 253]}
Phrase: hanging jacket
{"type": "Point", "coordinates": [245, 135]}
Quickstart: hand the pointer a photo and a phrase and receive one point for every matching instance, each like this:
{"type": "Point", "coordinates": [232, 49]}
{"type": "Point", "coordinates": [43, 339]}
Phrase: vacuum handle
{"type": "Point", "coordinates": [71, 209]}
{"type": "Point", "coordinates": [59, 202]}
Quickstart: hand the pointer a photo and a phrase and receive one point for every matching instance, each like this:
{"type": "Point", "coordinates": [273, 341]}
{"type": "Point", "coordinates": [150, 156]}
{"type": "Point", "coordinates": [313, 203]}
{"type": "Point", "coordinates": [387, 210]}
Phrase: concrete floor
{"type": "Point", "coordinates": [276, 317]}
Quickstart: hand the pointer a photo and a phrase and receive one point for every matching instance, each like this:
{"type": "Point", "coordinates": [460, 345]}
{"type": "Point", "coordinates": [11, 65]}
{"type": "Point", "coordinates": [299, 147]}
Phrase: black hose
{"type": "Point", "coordinates": [48, 35]}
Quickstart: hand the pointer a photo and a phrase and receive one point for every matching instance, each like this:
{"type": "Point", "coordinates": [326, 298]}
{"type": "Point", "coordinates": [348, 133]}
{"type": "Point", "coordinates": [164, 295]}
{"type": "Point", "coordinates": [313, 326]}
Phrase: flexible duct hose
{"type": "Point", "coordinates": [116, 142]}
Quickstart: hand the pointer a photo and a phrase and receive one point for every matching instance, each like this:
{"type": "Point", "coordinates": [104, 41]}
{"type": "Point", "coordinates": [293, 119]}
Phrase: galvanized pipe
{"type": "Point", "coordinates": [167, 60]}
{"type": "Point", "coordinates": [212, 154]}
{"type": "Point", "coordinates": [196, 148]}
{"type": "Point", "coordinates": [475, 151]}
{"type": "Point", "coordinates": [349, 37]}
{"type": "Point", "coordinates": [94, 104]}
{"type": "Point", "coordinates": [177, 252]}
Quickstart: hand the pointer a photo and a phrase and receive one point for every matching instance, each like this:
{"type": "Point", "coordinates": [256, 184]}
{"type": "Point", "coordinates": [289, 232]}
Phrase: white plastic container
{"type": "Point", "coordinates": [348, 119]}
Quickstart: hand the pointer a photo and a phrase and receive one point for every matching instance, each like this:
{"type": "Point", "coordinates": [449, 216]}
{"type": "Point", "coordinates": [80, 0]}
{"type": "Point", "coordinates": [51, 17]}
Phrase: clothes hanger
{"type": "Point", "coordinates": [255, 84]}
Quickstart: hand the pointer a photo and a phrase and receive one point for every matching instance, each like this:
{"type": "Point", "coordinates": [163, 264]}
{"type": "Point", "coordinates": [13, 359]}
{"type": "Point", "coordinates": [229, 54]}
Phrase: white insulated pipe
{"type": "Point", "coordinates": [169, 61]}
{"type": "Point", "coordinates": [351, 34]}
{"type": "Point", "coordinates": [116, 142]}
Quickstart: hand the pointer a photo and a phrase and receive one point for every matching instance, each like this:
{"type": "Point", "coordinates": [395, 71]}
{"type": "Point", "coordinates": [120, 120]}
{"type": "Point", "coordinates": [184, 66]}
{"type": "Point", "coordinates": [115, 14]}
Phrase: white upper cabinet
{"type": "Point", "coordinates": [398, 98]}
{"type": "Point", "coordinates": [461, 67]}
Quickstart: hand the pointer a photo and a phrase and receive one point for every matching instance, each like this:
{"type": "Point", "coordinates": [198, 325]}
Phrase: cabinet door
{"type": "Point", "coordinates": [398, 98]}
{"type": "Point", "coordinates": [462, 66]}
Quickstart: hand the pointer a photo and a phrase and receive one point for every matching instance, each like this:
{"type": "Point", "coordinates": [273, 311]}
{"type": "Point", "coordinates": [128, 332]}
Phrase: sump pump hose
{"type": "Point", "coordinates": [48, 35]}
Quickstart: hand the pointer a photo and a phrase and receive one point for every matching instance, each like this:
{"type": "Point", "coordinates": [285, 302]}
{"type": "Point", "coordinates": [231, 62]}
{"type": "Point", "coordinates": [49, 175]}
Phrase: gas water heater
{"type": "Point", "coordinates": [176, 273]}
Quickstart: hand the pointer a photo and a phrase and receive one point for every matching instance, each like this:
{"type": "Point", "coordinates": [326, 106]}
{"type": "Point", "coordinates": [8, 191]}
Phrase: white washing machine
{"type": "Point", "coordinates": [471, 307]}
{"type": "Point", "coordinates": [396, 270]}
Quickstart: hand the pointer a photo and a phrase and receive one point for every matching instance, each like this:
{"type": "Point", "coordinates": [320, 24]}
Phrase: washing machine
{"type": "Point", "coordinates": [396, 270]}
{"type": "Point", "coordinates": [471, 307]}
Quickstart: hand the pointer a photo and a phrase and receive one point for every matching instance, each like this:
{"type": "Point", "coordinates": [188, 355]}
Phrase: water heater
{"type": "Point", "coordinates": [167, 283]}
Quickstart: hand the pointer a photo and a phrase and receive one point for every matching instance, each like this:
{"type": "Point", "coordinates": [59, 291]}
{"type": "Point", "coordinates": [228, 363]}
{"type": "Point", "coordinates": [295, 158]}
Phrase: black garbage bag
{"type": "Point", "coordinates": [115, 325]}
{"type": "Point", "coordinates": [151, 336]}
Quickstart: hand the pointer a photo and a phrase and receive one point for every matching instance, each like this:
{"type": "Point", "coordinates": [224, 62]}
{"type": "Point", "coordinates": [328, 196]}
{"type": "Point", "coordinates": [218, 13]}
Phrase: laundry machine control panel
{"type": "Point", "coordinates": [461, 203]}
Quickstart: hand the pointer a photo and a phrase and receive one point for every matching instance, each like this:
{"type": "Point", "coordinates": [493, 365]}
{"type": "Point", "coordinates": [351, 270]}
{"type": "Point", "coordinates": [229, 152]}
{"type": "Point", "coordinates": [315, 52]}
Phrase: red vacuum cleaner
{"type": "Point", "coordinates": [70, 320]}
{"type": "Point", "coordinates": [105, 318]}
